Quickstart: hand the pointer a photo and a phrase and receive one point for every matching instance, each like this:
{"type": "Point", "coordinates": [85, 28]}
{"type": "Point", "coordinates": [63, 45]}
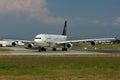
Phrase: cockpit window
{"type": "Point", "coordinates": [38, 38]}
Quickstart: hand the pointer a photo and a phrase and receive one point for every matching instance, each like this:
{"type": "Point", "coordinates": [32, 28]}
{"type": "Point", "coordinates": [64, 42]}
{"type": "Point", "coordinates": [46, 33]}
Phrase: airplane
{"type": "Point", "coordinates": [42, 41]}
{"type": "Point", "coordinates": [14, 42]}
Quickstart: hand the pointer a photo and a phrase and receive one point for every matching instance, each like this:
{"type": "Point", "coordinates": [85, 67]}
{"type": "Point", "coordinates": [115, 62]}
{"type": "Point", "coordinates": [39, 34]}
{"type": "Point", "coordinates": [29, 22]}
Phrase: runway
{"type": "Point", "coordinates": [54, 53]}
{"type": "Point", "coordinates": [110, 51]}
{"type": "Point", "coordinates": [23, 51]}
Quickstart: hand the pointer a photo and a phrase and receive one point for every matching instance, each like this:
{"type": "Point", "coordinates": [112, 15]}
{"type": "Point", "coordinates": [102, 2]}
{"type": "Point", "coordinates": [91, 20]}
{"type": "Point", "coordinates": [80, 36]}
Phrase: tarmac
{"type": "Point", "coordinates": [23, 51]}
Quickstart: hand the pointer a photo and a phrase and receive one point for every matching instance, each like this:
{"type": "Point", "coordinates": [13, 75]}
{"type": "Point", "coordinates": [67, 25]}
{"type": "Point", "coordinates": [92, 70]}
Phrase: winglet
{"type": "Point", "coordinates": [65, 28]}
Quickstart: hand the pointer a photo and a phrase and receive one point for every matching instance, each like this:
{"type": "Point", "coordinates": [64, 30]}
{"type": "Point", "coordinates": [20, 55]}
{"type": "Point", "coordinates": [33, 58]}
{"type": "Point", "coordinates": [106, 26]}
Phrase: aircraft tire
{"type": "Point", "coordinates": [43, 49]}
{"type": "Point", "coordinates": [39, 49]}
{"type": "Point", "coordinates": [54, 49]}
{"type": "Point", "coordinates": [64, 49]}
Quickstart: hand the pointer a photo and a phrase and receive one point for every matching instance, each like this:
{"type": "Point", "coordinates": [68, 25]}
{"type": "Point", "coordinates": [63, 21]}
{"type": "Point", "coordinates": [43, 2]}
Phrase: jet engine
{"type": "Point", "coordinates": [14, 43]}
{"type": "Point", "coordinates": [30, 45]}
{"type": "Point", "coordinates": [93, 43]}
{"type": "Point", "coordinates": [69, 45]}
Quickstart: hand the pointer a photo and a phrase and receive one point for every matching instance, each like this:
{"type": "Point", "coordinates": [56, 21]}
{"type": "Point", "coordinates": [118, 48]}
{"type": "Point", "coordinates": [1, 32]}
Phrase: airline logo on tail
{"type": "Point", "coordinates": [65, 28]}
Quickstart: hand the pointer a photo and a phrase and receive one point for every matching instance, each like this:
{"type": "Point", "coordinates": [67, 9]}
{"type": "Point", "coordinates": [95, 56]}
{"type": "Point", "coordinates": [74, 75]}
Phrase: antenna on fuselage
{"type": "Point", "coordinates": [65, 28]}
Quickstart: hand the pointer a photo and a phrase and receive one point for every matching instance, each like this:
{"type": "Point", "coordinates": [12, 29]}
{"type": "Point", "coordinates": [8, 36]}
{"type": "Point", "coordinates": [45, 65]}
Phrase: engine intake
{"type": "Point", "coordinates": [30, 45]}
{"type": "Point", "coordinates": [14, 43]}
{"type": "Point", "coordinates": [69, 45]}
{"type": "Point", "coordinates": [93, 43]}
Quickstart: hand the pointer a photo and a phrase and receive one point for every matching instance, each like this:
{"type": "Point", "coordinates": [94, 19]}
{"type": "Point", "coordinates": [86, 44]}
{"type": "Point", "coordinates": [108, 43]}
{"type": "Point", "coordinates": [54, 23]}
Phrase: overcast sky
{"type": "Point", "coordinates": [86, 18]}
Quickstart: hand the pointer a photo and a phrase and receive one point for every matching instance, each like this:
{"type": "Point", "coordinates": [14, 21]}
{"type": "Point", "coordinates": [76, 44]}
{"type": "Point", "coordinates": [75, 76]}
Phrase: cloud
{"type": "Point", "coordinates": [33, 8]}
{"type": "Point", "coordinates": [117, 22]}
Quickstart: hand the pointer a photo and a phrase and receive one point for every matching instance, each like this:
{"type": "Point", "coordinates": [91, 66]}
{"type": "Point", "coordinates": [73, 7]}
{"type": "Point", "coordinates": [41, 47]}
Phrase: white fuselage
{"type": "Point", "coordinates": [48, 40]}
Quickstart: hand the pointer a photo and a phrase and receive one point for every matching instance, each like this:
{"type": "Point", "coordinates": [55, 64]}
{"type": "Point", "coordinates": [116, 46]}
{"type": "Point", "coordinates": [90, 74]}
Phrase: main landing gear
{"type": "Point", "coordinates": [64, 49]}
{"type": "Point", "coordinates": [53, 49]}
{"type": "Point", "coordinates": [41, 49]}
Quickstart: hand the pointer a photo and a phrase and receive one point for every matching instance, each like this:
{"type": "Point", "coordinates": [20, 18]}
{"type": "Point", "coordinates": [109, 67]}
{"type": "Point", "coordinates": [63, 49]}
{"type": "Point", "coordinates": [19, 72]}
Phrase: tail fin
{"type": "Point", "coordinates": [65, 28]}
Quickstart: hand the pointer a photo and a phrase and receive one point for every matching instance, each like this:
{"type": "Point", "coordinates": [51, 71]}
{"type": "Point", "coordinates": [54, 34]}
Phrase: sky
{"type": "Point", "coordinates": [24, 19]}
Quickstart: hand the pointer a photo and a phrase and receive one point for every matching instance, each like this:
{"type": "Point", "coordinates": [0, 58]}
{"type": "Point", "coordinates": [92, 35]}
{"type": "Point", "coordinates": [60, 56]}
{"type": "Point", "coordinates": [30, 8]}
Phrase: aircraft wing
{"type": "Point", "coordinates": [85, 40]}
{"type": "Point", "coordinates": [14, 40]}
{"type": "Point", "coordinates": [25, 41]}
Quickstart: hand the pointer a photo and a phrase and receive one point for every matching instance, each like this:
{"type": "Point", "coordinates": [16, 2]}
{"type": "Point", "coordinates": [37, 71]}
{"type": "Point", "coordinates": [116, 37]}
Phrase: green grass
{"type": "Point", "coordinates": [97, 47]}
{"type": "Point", "coordinates": [81, 67]}
{"type": "Point", "coordinates": [5, 49]}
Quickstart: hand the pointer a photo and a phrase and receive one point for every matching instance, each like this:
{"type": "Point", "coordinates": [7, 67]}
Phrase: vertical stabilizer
{"type": "Point", "coordinates": [65, 28]}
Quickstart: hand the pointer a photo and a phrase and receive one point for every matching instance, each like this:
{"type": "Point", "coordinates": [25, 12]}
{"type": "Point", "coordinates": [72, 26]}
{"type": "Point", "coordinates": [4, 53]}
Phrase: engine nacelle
{"type": "Point", "coordinates": [93, 43]}
{"type": "Point", "coordinates": [30, 45]}
{"type": "Point", "coordinates": [14, 43]}
{"type": "Point", "coordinates": [20, 43]}
{"type": "Point", "coordinates": [69, 45]}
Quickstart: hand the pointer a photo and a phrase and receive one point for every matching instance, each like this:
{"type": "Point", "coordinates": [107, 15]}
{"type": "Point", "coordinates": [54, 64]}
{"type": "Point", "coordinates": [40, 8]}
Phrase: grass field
{"type": "Point", "coordinates": [96, 47]}
{"type": "Point", "coordinates": [4, 49]}
{"type": "Point", "coordinates": [77, 67]}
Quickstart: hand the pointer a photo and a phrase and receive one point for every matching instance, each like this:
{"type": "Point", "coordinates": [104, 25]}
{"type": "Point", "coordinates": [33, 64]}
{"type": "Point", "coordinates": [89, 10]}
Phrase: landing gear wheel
{"type": "Point", "coordinates": [41, 49]}
{"type": "Point", "coordinates": [64, 49]}
{"type": "Point", "coordinates": [54, 49]}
